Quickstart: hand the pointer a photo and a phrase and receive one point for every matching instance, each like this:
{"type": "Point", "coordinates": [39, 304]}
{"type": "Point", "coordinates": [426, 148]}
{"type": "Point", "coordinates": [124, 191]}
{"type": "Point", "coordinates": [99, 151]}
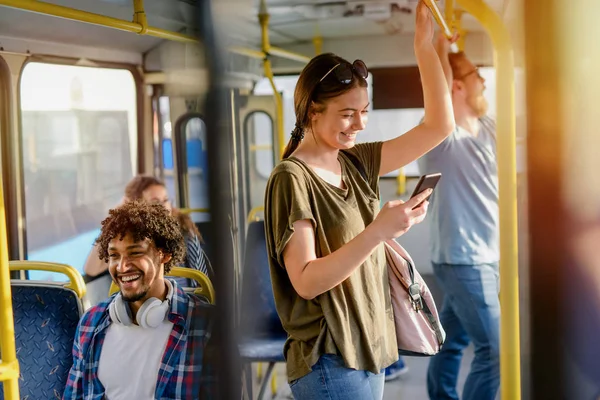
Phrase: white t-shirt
{"type": "Point", "coordinates": [130, 360]}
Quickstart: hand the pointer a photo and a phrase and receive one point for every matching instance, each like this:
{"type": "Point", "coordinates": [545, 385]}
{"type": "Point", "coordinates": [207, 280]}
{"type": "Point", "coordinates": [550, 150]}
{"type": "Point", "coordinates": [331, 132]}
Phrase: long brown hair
{"type": "Point", "coordinates": [311, 94]}
{"type": "Point", "coordinates": [135, 191]}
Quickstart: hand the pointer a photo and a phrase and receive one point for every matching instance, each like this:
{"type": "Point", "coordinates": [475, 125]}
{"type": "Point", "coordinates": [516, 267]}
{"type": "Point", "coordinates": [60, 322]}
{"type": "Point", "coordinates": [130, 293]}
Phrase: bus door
{"type": "Point", "coordinates": [258, 123]}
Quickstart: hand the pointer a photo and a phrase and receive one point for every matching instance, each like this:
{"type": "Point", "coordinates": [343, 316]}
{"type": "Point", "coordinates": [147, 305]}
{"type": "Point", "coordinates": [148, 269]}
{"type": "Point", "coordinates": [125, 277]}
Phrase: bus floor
{"type": "Point", "coordinates": [411, 385]}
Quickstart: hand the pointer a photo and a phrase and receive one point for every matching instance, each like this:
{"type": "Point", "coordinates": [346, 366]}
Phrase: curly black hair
{"type": "Point", "coordinates": [143, 220]}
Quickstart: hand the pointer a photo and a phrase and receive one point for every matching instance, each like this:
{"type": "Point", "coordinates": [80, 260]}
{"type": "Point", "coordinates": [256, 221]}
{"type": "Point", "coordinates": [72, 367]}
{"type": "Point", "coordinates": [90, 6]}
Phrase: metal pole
{"type": "Point", "coordinates": [9, 366]}
{"type": "Point", "coordinates": [218, 128]}
{"type": "Point", "coordinates": [510, 362]}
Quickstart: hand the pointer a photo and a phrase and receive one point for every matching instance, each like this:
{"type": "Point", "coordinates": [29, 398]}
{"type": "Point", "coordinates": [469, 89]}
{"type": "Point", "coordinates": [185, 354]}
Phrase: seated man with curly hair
{"type": "Point", "coordinates": [148, 341]}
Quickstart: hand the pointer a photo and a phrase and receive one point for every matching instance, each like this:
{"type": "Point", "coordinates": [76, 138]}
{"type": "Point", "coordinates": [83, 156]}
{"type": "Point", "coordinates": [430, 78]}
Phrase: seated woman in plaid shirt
{"type": "Point", "coordinates": [149, 341]}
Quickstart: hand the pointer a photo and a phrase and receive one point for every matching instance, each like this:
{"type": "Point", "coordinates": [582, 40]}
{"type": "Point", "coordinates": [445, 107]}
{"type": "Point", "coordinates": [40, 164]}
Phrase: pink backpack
{"type": "Point", "coordinates": [418, 328]}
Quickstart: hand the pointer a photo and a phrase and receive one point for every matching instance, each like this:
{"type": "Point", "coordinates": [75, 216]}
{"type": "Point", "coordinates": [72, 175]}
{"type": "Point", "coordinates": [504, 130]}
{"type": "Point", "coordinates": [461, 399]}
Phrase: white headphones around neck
{"type": "Point", "coordinates": [150, 314]}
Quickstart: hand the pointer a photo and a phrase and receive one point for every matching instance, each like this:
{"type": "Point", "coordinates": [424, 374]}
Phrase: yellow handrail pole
{"type": "Point", "coordinates": [9, 366]}
{"type": "Point", "coordinates": [401, 181]}
{"type": "Point", "coordinates": [252, 53]}
{"type": "Point", "coordinates": [193, 210]}
{"type": "Point", "coordinates": [437, 15]}
{"type": "Point", "coordinates": [510, 366]}
{"type": "Point", "coordinates": [290, 55]}
{"type": "Point", "coordinates": [273, 51]}
{"type": "Point", "coordinates": [253, 212]}
{"type": "Point", "coordinates": [274, 385]}
{"type": "Point", "coordinates": [278, 106]}
{"type": "Point", "coordinates": [453, 18]}
{"type": "Point", "coordinates": [257, 147]}
{"type": "Point", "coordinates": [318, 42]}
{"type": "Point", "coordinates": [449, 12]}
{"type": "Point", "coordinates": [41, 7]}
{"type": "Point", "coordinates": [139, 15]}
{"type": "Point", "coordinates": [263, 19]}
{"type": "Point", "coordinates": [458, 14]}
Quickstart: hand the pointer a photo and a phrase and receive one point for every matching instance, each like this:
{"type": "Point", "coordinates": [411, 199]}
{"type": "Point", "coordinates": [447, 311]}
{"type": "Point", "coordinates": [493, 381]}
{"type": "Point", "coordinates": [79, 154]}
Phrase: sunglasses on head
{"type": "Point", "coordinates": [343, 71]}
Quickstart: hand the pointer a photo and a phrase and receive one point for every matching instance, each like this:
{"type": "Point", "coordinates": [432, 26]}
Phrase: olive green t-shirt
{"type": "Point", "coordinates": [354, 319]}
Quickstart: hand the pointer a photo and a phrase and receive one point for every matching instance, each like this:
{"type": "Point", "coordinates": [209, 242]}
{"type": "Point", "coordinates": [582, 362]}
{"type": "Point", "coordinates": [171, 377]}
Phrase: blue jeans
{"type": "Point", "coordinates": [471, 311]}
{"type": "Point", "coordinates": [331, 380]}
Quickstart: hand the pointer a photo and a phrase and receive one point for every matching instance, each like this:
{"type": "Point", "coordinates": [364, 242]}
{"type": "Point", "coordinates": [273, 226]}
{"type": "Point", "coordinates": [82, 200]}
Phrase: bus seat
{"type": "Point", "coordinates": [204, 289]}
{"type": "Point", "coordinates": [46, 315]}
{"type": "Point", "coordinates": [263, 335]}
{"type": "Point", "coordinates": [98, 288]}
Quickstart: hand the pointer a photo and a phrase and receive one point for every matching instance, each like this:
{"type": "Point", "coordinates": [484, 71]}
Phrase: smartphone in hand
{"type": "Point", "coordinates": [426, 182]}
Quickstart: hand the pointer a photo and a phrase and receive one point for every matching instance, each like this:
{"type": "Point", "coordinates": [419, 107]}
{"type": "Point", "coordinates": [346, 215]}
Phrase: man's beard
{"type": "Point", "coordinates": [135, 297]}
{"type": "Point", "coordinates": [139, 295]}
{"type": "Point", "coordinates": [479, 105]}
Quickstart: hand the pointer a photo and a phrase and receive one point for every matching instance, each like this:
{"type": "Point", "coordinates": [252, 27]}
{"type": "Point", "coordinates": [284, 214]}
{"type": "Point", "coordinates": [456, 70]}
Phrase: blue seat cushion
{"type": "Point", "coordinates": [259, 316]}
{"type": "Point", "coordinates": [46, 318]}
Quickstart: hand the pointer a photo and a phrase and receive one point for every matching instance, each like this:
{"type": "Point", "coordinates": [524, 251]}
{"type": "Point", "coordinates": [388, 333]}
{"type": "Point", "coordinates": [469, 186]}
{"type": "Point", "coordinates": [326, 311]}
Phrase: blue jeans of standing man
{"type": "Point", "coordinates": [330, 379]}
{"type": "Point", "coordinates": [471, 311]}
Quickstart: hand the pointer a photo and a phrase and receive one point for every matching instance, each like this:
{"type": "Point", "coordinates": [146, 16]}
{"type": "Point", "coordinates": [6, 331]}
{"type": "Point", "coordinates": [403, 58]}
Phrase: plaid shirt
{"type": "Point", "coordinates": [185, 370]}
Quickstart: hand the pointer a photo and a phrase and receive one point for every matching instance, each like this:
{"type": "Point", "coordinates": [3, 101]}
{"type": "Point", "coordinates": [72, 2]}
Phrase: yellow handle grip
{"type": "Point", "coordinates": [253, 212]}
{"type": "Point", "coordinates": [439, 18]}
{"type": "Point", "coordinates": [205, 289]}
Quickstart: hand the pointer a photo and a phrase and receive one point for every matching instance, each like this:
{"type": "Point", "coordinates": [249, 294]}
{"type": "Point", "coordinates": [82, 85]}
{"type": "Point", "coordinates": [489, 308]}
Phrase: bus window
{"type": "Point", "coordinates": [259, 131]}
{"type": "Point", "coordinates": [197, 166]}
{"type": "Point", "coordinates": [167, 151]}
{"type": "Point", "coordinates": [79, 141]}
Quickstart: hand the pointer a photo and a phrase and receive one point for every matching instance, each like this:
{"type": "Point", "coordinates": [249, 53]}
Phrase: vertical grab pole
{"type": "Point", "coordinates": [401, 182]}
{"type": "Point", "coordinates": [318, 43]}
{"type": "Point", "coordinates": [9, 366]}
{"type": "Point", "coordinates": [318, 40]}
{"type": "Point", "coordinates": [510, 363]}
{"type": "Point", "coordinates": [219, 130]}
{"type": "Point", "coordinates": [263, 18]}
{"type": "Point", "coordinates": [278, 104]}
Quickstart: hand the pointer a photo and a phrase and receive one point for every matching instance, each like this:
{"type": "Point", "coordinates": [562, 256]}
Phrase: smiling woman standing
{"type": "Point", "coordinates": [325, 230]}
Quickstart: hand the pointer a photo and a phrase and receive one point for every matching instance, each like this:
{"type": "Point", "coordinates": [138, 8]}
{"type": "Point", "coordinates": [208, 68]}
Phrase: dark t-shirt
{"type": "Point", "coordinates": [355, 318]}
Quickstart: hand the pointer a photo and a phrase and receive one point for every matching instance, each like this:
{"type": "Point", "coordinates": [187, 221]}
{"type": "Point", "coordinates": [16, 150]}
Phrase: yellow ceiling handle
{"type": "Point", "coordinates": [439, 18]}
